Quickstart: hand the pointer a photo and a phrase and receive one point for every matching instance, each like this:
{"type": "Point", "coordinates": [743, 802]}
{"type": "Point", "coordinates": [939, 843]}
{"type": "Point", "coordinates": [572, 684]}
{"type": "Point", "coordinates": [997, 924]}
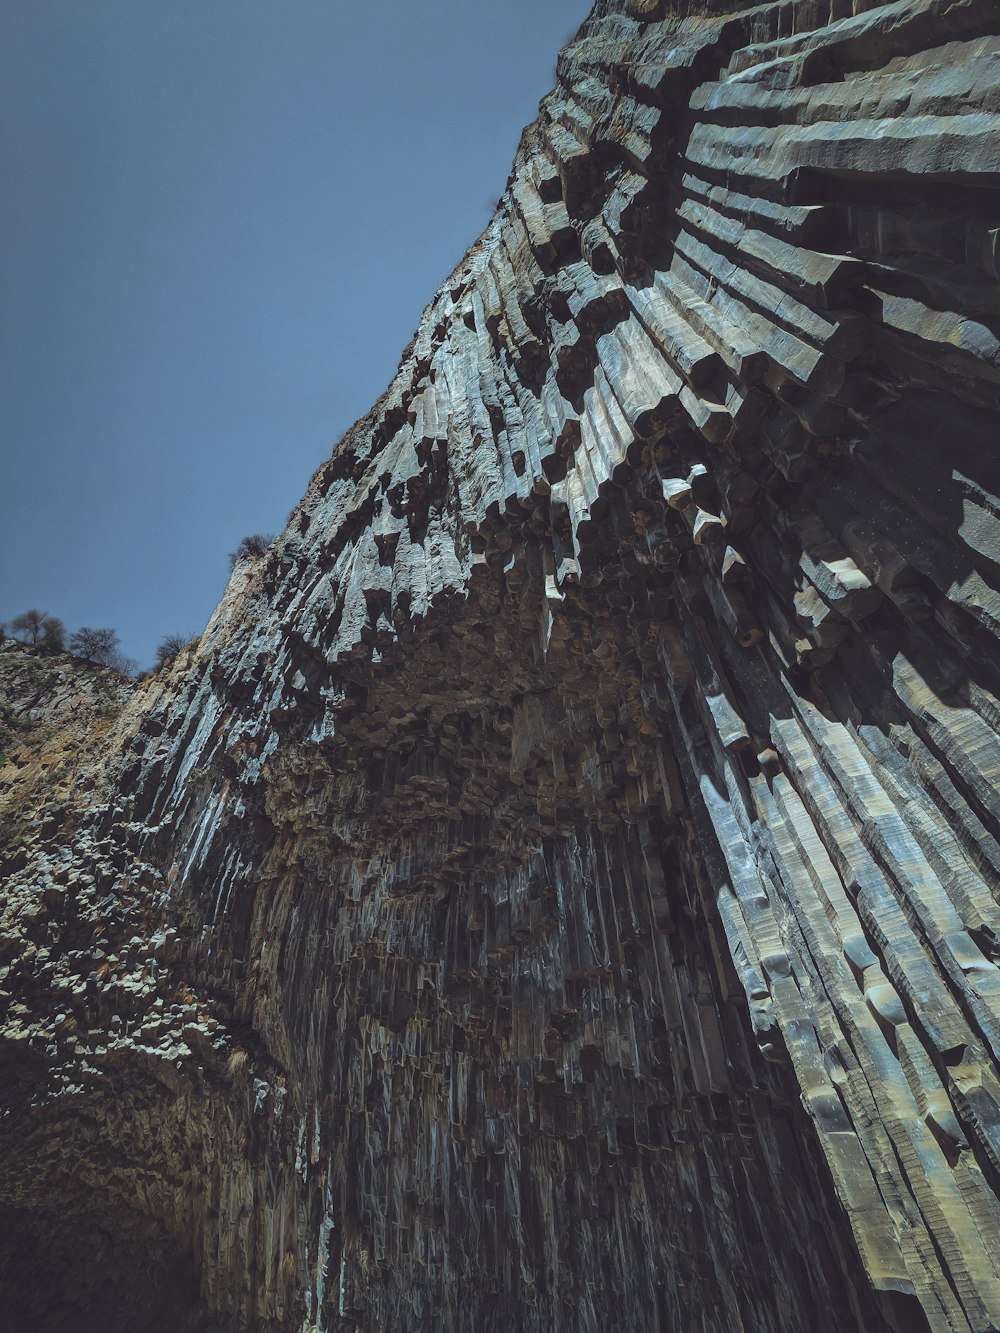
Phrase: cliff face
{"type": "Point", "coordinates": [560, 890]}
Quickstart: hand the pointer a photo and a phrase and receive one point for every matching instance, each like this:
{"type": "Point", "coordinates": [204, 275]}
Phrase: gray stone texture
{"type": "Point", "coordinates": [559, 892]}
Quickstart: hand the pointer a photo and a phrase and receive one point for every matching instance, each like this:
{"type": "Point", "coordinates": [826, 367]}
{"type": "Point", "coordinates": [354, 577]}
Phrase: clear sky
{"type": "Point", "coordinates": [220, 221]}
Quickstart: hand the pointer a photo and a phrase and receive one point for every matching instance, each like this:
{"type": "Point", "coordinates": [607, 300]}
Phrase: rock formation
{"type": "Point", "coordinates": [559, 892]}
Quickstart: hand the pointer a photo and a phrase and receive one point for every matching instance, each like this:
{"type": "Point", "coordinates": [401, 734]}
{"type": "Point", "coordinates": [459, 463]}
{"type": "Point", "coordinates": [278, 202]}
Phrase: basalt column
{"type": "Point", "coordinates": [560, 889]}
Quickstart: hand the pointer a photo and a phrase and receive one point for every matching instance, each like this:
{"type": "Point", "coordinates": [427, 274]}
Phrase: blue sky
{"type": "Point", "coordinates": [220, 222]}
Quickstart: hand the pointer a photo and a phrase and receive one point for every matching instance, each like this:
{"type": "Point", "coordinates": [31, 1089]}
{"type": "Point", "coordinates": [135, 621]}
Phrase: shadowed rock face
{"type": "Point", "coordinates": [560, 890]}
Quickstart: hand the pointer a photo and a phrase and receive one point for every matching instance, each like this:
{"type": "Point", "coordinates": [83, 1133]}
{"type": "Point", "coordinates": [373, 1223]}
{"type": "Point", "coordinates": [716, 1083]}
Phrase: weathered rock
{"type": "Point", "coordinates": [559, 891]}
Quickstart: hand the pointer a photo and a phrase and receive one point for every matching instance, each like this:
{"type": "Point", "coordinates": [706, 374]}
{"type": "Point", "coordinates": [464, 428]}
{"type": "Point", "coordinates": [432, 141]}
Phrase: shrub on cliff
{"type": "Point", "coordinates": [53, 638]}
{"type": "Point", "coordinates": [101, 647]}
{"type": "Point", "coordinates": [28, 625]}
{"type": "Point", "coordinates": [40, 630]}
{"type": "Point", "coordinates": [128, 666]}
{"type": "Point", "coordinates": [34, 626]}
{"type": "Point", "coordinates": [94, 645]}
{"type": "Point", "coordinates": [168, 648]}
{"type": "Point", "coordinates": [250, 548]}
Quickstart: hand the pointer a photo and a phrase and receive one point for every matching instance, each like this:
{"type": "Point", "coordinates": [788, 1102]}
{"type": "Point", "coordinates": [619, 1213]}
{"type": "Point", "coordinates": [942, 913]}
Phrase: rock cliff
{"type": "Point", "coordinates": [559, 892]}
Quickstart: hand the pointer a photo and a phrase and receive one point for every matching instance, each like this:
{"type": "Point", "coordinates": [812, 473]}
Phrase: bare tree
{"type": "Point", "coordinates": [29, 626]}
{"type": "Point", "coordinates": [250, 548]}
{"type": "Point", "coordinates": [168, 648]}
{"type": "Point", "coordinates": [101, 647]}
{"type": "Point", "coordinates": [39, 629]}
{"type": "Point", "coordinates": [128, 666]}
{"type": "Point", "coordinates": [94, 645]}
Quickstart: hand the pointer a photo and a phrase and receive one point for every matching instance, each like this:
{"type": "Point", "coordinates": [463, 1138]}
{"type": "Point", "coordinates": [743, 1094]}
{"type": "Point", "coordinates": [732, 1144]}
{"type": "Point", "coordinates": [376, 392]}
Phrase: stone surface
{"type": "Point", "coordinates": [560, 890]}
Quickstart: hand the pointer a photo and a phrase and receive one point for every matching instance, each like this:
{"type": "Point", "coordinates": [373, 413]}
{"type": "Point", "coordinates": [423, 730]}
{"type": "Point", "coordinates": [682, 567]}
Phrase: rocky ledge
{"type": "Point", "coordinates": [559, 892]}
